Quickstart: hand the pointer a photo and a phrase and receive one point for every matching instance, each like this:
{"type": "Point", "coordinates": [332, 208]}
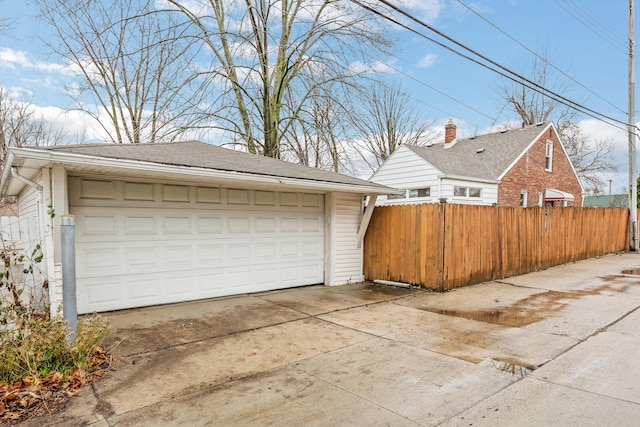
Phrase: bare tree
{"type": "Point", "coordinates": [590, 158]}
{"type": "Point", "coordinates": [268, 55]}
{"type": "Point", "coordinates": [21, 126]}
{"type": "Point", "coordinates": [387, 119]}
{"type": "Point", "coordinates": [138, 79]}
{"type": "Point", "coordinates": [319, 137]}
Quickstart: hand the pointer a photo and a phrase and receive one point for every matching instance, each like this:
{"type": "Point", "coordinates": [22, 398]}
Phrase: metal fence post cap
{"type": "Point", "coordinates": [67, 220]}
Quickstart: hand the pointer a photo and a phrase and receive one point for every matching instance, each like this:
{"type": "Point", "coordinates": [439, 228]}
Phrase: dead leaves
{"type": "Point", "coordinates": [29, 397]}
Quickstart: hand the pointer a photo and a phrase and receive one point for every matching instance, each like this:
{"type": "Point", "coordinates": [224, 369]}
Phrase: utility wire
{"type": "Point", "coordinates": [590, 24]}
{"type": "Point", "coordinates": [543, 59]}
{"type": "Point", "coordinates": [507, 73]}
{"type": "Point", "coordinates": [449, 114]}
{"type": "Point", "coordinates": [536, 86]}
{"type": "Point", "coordinates": [607, 30]}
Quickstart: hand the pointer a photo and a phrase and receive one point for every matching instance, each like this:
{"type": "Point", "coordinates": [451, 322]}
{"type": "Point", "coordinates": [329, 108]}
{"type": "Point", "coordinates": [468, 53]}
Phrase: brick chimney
{"type": "Point", "coordinates": [449, 134]}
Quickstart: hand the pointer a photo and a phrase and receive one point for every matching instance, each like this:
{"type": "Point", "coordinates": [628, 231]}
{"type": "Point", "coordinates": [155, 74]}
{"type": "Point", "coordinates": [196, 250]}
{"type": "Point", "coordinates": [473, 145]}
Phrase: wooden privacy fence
{"type": "Point", "coordinates": [447, 246]}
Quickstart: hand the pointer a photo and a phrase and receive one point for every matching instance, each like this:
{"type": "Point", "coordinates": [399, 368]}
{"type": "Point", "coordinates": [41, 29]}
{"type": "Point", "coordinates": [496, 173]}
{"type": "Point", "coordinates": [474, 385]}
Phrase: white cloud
{"type": "Point", "coordinates": [14, 59]}
{"type": "Point", "coordinates": [598, 130]}
{"type": "Point", "coordinates": [376, 67]}
{"type": "Point", "coordinates": [427, 61]}
{"type": "Point", "coordinates": [429, 10]}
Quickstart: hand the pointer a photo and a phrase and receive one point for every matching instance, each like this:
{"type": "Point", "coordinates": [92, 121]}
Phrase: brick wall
{"type": "Point", "coordinates": [529, 174]}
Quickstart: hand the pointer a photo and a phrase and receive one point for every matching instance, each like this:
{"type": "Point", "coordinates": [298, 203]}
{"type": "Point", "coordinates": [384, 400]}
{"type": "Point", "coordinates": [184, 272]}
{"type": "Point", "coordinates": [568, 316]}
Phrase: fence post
{"type": "Point", "coordinates": [68, 258]}
{"type": "Point", "coordinates": [442, 220]}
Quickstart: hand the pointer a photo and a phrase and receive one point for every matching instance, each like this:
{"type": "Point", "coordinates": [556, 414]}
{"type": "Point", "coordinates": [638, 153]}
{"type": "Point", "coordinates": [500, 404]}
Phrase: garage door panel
{"type": "Point", "coordinates": [140, 225]}
{"type": "Point", "coordinates": [180, 225]}
{"type": "Point", "coordinates": [100, 293]}
{"type": "Point", "coordinates": [240, 279]}
{"type": "Point", "coordinates": [175, 284]}
{"type": "Point", "coordinates": [208, 225]}
{"type": "Point", "coordinates": [178, 256]}
{"type": "Point", "coordinates": [145, 258]}
{"type": "Point", "coordinates": [97, 260]}
{"type": "Point", "coordinates": [97, 225]}
{"type": "Point", "coordinates": [210, 283]}
{"type": "Point", "coordinates": [138, 192]}
{"type": "Point", "coordinates": [145, 289]}
{"type": "Point", "coordinates": [144, 249]}
{"type": "Point", "coordinates": [210, 254]}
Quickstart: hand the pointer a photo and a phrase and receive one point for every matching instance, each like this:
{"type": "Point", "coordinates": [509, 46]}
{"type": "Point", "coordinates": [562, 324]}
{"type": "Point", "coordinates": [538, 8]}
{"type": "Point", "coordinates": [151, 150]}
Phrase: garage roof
{"type": "Point", "coordinates": [196, 159]}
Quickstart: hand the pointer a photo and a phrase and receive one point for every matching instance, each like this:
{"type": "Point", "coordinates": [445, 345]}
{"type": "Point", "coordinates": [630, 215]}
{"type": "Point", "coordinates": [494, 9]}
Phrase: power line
{"type": "Point", "coordinates": [506, 72]}
{"type": "Point", "coordinates": [592, 24]}
{"type": "Point", "coordinates": [543, 59]}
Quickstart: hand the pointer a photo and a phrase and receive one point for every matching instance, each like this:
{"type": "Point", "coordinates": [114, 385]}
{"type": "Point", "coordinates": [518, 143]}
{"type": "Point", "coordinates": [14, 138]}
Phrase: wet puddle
{"type": "Point", "coordinates": [528, 310]}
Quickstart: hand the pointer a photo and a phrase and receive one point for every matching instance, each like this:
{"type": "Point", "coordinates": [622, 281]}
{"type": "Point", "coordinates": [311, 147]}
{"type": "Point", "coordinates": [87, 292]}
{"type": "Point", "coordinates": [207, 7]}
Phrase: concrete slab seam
{"type": "Point", "coordinates": [230, 334]}
{"type": "Point", "coordinates": [355, 394]}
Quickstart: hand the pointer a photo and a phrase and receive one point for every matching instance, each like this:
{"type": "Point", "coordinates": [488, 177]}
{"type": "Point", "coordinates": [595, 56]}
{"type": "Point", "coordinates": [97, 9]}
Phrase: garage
{"type": "Point", "coordinates": [180, 221]}
{"type": "Point", "coordinates": [140, 244]}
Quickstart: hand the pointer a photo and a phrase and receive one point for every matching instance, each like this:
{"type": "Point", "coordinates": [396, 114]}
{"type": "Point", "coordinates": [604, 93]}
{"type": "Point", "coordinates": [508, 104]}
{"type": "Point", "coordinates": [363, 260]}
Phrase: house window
{"type": "Point", "coordinates": [396, 196]}
{"type": "Point", "coordinates": [420, 192]}
{"type": "Point", "coordinates": [460, 191]}
{"type": "Point", "coordinates": [467, 192]}
{"type": "Point", "coordinates": [548, 161]}
{"type": "Point", "coordinates": [475, 192]}
{"type": "Point", "coordinates": [523, 199]}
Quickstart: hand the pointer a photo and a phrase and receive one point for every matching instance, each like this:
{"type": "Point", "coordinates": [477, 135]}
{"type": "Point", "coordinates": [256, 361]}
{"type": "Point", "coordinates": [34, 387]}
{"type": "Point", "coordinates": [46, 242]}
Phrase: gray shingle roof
{"type": "Point", "coordinates": [499, 150]}
{"type": "Point", "coordinates": [202, 155]}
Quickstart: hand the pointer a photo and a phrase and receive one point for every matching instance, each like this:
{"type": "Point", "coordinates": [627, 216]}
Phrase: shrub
{"type": "Point", "coordinates": [41, 346]}
{"type": "Point", "coordinates": [33, 344]}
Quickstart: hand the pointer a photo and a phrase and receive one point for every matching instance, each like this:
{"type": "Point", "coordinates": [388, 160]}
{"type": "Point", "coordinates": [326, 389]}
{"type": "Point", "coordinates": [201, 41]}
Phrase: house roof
{"type": "Point", "coordinates": [486, 156]}
{"type": "Point", "coordinates": [193, 158]}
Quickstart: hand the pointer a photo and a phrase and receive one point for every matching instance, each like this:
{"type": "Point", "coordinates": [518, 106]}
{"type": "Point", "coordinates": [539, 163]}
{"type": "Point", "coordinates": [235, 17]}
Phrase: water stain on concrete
{"type": "Point", "coordinates": [527, 310]}
{"type": "Point", "coordinates": [164, 333]}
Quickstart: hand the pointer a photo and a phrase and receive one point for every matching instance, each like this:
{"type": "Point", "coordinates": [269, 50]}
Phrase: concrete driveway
{"type": "Point", "coordinates": [556, 347]}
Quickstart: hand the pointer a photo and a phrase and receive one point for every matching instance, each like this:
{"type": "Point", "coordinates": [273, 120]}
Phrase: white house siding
{"type": "Point", "coordinates": [347, 256]}
{"type": "Point", "coordinates": [405, 169]}
{"type": "Point", "coordinates": [489, 192]}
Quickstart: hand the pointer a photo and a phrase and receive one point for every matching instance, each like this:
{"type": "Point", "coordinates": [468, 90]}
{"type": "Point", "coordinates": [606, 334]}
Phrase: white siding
{"type": "Point", "coordinates": [27, 202]}
{"type": "Point", "coordinates": [489, 192]}
{"type": "Point", "coordinates": [405, 169]}
{"type": "Point", "coordinates": [347, 259]}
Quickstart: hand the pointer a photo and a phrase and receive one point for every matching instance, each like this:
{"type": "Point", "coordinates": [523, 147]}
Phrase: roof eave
{"type": "Point", "coordinates": [45, 157]}
{"type": "Point", "coordinates": [527, 148]}
{"type": "Point", "coordinates": [6, 171]}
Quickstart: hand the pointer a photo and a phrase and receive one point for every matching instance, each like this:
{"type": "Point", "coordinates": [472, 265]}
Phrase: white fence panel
{"type": "Point", "coordinates": [18, 230]}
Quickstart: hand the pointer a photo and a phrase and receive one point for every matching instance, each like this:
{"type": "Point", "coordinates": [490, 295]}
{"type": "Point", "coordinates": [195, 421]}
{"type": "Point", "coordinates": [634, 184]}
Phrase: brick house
{"type": "Point", "coordinates": [524, 167]}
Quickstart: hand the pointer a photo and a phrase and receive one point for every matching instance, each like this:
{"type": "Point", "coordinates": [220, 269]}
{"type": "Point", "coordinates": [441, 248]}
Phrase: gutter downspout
{"type": "Point", "coordinates": [24, 180]}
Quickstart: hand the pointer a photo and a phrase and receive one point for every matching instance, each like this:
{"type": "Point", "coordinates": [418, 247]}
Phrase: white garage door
{"type": "Point", "coordinates": [140, 244]}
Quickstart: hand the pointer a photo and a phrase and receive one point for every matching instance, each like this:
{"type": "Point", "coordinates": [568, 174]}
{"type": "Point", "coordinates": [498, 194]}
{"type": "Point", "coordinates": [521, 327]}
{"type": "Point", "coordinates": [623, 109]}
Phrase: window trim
{"type": "Point", "coordinates": [417, 190]}
{"type": "Point", "coordinates": [467, 192]}
{"type": "Point", "coordinates": [548, 157]}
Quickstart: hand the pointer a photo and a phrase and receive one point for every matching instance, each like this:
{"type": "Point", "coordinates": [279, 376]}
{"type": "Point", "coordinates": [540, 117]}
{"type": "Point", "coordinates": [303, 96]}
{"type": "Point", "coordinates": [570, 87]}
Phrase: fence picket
{"type": "Point", "coordinates": [447, 246]}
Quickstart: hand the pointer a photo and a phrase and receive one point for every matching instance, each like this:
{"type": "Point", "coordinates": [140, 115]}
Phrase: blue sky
{"type": "Point", "coordinates": [586, 39]}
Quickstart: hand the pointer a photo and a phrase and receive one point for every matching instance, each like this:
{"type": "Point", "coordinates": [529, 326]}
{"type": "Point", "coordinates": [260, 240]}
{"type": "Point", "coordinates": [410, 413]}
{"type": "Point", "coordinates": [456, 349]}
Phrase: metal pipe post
{"type": "Point", "coordinates": [68, 258]}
